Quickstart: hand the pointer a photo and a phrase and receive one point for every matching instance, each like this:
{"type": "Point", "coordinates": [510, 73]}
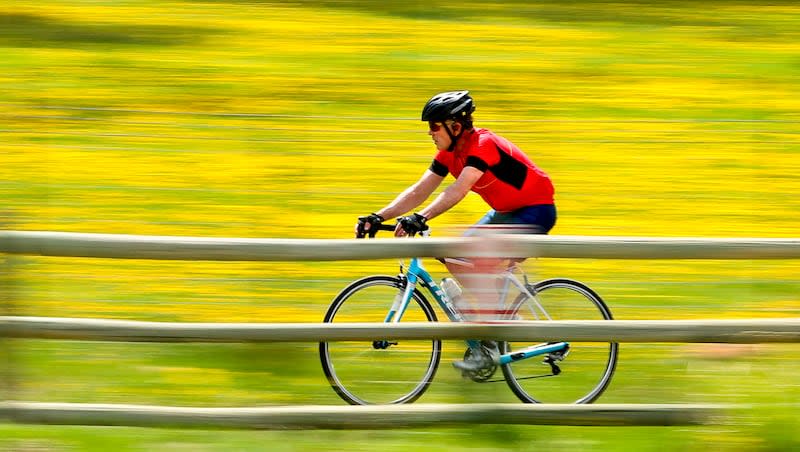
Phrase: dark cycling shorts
{"type": "Point", "coordinates": [538, 219]}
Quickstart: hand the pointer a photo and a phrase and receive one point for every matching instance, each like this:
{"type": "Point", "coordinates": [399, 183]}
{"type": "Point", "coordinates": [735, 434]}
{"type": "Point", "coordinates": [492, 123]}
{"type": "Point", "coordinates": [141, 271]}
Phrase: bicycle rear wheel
{"type": "Point", "coordinates": [585, 371]}
{"type": "Point", "coordinates": [374, 372]}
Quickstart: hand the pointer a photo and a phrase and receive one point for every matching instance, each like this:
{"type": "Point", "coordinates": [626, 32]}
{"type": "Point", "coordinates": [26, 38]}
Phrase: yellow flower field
{"type": "Point", "coordinates": [290, 119]}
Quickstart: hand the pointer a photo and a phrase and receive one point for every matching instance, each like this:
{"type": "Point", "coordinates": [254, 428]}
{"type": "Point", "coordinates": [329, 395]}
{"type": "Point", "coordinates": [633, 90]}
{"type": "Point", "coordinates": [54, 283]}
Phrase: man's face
{"type": "Point", "coordinates": [436, 129]}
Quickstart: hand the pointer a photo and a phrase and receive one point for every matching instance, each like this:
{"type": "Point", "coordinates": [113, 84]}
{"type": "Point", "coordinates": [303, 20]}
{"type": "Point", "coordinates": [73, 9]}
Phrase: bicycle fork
{"type": "Point", "coordinates": [399, 305]}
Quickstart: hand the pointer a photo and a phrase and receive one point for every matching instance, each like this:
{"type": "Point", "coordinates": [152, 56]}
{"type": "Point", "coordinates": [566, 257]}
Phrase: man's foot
{"type": "Point", "coordinates": [472, 364]}
{"type": "Point", "coordinates": [492, 349]}
{"type": "Point", "coordinates": [479, 365]}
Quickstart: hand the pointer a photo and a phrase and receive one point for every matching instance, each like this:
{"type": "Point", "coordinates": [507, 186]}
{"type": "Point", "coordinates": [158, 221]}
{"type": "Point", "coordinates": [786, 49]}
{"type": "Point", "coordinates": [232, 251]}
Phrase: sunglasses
{"type": "Point", "coordinates": [435, 126]}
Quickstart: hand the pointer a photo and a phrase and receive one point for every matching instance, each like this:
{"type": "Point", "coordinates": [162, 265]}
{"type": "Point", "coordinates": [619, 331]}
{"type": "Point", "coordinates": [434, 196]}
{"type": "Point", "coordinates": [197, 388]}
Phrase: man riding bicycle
{"type": "Point", "coordinates": [519, 193]}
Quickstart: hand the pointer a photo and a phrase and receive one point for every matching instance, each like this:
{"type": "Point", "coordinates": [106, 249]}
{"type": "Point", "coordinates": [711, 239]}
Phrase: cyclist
{"type": "Point", "coordinates": [519, 193]}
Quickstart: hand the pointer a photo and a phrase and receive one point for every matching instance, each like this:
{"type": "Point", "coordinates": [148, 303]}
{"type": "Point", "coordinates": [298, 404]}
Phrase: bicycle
{"type": "Point", "coordinates": [391, 372]}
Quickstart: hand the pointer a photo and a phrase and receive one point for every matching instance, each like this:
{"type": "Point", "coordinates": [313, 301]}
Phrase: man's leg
{"type": "Point", "coordinates": [478, 277]}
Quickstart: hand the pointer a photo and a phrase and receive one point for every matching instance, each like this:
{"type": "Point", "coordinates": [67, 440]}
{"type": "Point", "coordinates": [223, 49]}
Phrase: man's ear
{"type": "Point", "coordinates": [456, 127]}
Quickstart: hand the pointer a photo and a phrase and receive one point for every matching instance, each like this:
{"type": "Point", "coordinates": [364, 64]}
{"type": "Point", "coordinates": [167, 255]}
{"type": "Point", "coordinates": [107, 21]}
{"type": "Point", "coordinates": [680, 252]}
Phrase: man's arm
{"type": "Point", "coordinates": [453, 194]}
{"type": "Point", "coordinates": [412, 196]}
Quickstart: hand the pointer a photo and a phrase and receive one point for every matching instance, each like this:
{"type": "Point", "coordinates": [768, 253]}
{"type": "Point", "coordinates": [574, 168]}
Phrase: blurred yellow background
{"type": "Point", "coordinates": [290, 119]}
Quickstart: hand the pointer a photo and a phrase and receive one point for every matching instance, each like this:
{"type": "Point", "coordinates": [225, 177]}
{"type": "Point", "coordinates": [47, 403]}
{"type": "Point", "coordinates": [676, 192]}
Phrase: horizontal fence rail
{"type": "Point", "coordinates": [721, 331]}
{"type": "Point", "coordinates": [45, 243]}
{"type": "Point", "coordinates": [68, 244]}
{"type": "Point", "coordinates": [359, 417]}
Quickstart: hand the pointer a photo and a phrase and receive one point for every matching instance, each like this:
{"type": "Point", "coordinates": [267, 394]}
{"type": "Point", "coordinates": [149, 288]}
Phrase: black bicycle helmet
{"type": "Point", "coordinates": [449, 105]}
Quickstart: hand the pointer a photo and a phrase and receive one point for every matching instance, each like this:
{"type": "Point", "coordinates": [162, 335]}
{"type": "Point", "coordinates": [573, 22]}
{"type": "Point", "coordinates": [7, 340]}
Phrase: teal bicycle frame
{"type": "Point", "coordinates": [383, 371]}
{"type": "Point", "coordinates": [416, 273]}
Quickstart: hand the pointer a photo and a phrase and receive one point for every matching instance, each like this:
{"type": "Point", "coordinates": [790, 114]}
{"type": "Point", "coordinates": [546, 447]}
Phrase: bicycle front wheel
{"type": "Point", "coordinates": [585, 371]}
{"type": "Point", "coordinates": [384, 371]}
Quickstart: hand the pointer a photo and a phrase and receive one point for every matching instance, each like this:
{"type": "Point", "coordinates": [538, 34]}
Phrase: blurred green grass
{"type": "Point", "coordinates": [245, 118]}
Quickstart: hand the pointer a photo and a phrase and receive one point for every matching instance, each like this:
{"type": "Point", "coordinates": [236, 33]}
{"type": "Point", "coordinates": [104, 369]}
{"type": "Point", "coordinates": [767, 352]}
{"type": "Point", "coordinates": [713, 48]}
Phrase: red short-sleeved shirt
{"type": "Point", "coordinates": [510, 180]}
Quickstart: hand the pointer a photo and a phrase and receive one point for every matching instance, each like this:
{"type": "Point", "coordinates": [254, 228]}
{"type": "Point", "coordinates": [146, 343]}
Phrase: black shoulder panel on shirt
{"type": "Point", "coordinates": [439, 168]}
{"type": "Point", "coordinates": [476, 162]}
{"type": "Point", "coordinates": [510, 170]}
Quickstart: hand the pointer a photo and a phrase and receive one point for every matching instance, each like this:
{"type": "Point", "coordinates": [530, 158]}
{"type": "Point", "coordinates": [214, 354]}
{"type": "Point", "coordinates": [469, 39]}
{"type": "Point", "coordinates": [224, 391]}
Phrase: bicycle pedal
{"type": "Point", "coordinates": [465, 373]}
{"type": "Point", "coordinates": [480, 375]}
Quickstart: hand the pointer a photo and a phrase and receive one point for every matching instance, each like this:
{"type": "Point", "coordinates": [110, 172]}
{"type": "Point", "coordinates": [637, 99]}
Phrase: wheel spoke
{"type": "Point", "coordinates": [362, 374]}
{"type": "Point", "coordinates": [585, 371]}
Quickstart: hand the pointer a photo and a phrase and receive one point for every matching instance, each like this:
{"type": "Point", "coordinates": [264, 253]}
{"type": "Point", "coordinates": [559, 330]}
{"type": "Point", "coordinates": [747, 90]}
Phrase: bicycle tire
{"type": "Point", "coordinates": [587, 365]}
{"type": "Point", "coordinates": [362, 374]}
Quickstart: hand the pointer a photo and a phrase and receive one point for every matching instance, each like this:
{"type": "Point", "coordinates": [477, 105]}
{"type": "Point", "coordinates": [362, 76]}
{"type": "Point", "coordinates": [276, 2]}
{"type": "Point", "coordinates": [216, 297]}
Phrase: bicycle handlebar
{"type": "Point", "coordinates": [374, 230]}
{"type": "Point", "coordinates": [387, 227]}
{"type": "Point", "coordinates": [382, 227]}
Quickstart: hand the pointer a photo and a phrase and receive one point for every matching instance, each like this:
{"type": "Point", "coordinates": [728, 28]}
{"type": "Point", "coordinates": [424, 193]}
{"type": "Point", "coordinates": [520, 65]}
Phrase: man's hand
{"type": "Point", "coordinates": [410, 225]}
{"type": "Point", "coordinates": [368, 224]}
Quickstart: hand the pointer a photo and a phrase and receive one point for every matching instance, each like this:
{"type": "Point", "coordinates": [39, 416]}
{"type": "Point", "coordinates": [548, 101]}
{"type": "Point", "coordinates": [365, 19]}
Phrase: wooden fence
{"type": "Point", "coordinates": [723, 331]}
{"type": "Point", "coordinates": [45, 243]}
{"type": "Point", "coordinates": [360, 417]}
{"type": "Point", "coordinates": [69, 244]}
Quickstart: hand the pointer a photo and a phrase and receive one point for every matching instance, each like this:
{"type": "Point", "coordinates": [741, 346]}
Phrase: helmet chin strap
{"type": "Point", "coordinates": [453, 138]}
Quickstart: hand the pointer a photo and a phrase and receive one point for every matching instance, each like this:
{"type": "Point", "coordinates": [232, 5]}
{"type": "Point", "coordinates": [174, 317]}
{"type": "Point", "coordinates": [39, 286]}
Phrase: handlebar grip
{"type": "Point", "coordinates": [374, 230]}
